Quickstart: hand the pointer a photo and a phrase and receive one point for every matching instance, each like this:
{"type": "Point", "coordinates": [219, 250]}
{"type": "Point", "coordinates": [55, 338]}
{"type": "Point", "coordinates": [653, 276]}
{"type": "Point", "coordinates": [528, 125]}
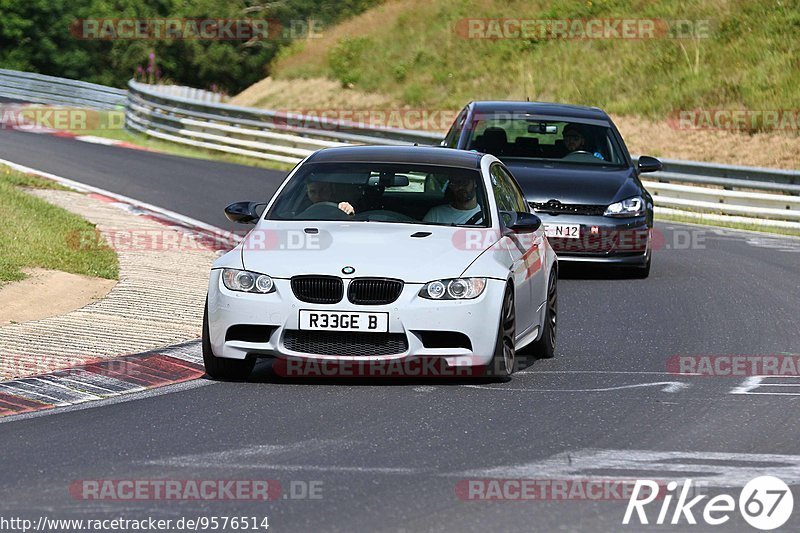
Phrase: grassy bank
{"type": "Point", "coordinates": [732, 54]}
{"type": "Point", "coordinates": [38, 234]}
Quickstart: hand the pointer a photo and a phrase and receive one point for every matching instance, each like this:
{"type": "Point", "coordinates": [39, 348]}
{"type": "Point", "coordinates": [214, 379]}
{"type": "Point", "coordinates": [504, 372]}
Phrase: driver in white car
{"type": "Point", "coordinates": [318, 192]}
{"type": "Point", "coordinates": [463, 204]}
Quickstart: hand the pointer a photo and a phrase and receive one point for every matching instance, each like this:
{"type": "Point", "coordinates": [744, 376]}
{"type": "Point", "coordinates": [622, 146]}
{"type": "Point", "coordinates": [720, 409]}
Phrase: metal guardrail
{"type": "Point", "coordinates": [264, 134]}
{"type": "Point", "coordinates": [41, 89]}
{"type": "Point", "coordinates": [744, 194]}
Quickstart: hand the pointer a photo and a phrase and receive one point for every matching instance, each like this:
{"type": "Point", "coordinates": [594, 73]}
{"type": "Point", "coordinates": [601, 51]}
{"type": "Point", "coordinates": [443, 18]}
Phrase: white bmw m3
{"type": "Point", "coordinates": [385, 254]}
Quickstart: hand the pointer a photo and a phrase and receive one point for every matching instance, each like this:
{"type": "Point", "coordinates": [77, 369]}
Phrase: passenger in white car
{"type": "Point", "coordinates": [463, 205]}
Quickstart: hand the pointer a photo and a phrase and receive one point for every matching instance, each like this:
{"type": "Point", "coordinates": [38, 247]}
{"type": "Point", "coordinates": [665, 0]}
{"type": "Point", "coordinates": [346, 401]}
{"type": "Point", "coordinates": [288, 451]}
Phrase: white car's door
{"type": "Point", "coordinates": [525, 249]}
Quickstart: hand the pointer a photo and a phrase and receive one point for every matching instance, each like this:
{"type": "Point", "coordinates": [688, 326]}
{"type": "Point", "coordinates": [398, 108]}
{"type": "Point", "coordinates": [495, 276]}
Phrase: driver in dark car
{"type": "Point", "coordinates": [463, 206]}
{"type": "Point", "coordinates": [575, 141]}
{"type": "Point", "coordinates": [318, 192]}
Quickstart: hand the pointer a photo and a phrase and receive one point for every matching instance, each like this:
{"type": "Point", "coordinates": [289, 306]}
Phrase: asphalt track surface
{"type": "Point", "coordinates": [388, 455]}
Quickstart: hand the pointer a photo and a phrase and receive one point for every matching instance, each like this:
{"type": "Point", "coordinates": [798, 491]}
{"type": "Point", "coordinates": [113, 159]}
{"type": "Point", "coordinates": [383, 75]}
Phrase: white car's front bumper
{"type": "Point", "coordinates": [409, 315]}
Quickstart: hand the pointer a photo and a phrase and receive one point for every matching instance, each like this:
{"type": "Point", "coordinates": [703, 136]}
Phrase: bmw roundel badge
{"type": "Point", "coordinates": [348, 270]}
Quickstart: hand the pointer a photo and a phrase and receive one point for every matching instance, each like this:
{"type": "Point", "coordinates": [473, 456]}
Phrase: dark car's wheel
{"type": "Point", "coordinates": [545, 347]}
{"type": "Point", "coordinates": [221, 368]}
{"type": "Point", "coordinates": [502, 364]}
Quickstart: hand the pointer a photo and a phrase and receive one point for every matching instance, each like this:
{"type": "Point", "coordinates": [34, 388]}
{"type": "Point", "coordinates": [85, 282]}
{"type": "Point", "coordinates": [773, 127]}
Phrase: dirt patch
{"type": "Point", "coordinates": [46, 293]}
{"type": "Point", "coordinates": [656, 138]}
{"type": "Point", "coordinates": [309, 95]}
{"type": "Point", "coordinates": [663, 139]}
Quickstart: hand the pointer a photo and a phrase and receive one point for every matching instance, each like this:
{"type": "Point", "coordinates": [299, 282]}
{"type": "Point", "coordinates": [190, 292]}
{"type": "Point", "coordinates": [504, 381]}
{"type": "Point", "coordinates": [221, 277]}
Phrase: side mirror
{"type": "Point", "coordinates": [525, 223]}
{"type": "Point", "coordinates": [649, 164]}
{"type": "Point", "coordinates": [243, 212]}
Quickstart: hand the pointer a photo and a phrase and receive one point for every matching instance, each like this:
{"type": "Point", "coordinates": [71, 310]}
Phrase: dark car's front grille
{"type": "Point", "coordinates": [341, 343]}
{"type": "Point", "coordinates": [374, 291]}
{"type": "Point", "coordinates": [318, 289]}
{"type": "Point", "coordinates": [557, 208]}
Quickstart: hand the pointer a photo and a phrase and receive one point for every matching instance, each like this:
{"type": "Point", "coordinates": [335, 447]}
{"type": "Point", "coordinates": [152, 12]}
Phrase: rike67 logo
{"type": "Point", "coordinates": [765, 503]}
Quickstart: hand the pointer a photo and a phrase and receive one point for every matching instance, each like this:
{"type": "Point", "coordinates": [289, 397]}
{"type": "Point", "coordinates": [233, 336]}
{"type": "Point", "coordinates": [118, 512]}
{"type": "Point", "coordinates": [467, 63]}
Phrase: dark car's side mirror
{"type": "Point", "coordinates": [243, 212]}
{"type": "Point", "coordinates": [525, 223]}
{"type": "Point", "coordinates": [649, 164]}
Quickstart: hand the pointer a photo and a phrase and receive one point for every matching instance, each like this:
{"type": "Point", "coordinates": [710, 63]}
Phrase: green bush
{"type": "Point", "coordinates": [347, 58]}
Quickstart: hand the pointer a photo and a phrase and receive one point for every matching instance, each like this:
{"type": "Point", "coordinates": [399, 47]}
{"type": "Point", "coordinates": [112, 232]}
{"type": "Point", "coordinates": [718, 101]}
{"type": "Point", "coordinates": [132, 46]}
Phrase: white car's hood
{"type": "Point", "coordinates": [286, 249]}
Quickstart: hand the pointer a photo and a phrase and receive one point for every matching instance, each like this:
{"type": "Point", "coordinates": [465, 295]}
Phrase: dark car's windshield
{"type": "Point", "coordinates": [551, 140]}
{"type": "Point", "coordinates": [384, 192]}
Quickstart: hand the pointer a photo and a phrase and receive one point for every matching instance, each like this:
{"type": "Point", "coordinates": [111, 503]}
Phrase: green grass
{"type": "Point", "coordinates": [18, 179]}
{"type": "Point", "coordinates": [38, 234]}
{"type": "Point", "coordinates": [181, 150]}
{"type": "Point", "coordinates": [748, 59]}
{"type": "Point", "coordinates": [724, 224]}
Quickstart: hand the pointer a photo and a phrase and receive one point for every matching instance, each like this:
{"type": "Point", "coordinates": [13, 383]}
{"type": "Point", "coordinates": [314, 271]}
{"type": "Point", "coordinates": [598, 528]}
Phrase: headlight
{"type": "Point", "coordinates": [631, 207]}
{"type": "Point", "coordinates": [453, 289]}
{"type": "Point", "coordinates": [244, 281]}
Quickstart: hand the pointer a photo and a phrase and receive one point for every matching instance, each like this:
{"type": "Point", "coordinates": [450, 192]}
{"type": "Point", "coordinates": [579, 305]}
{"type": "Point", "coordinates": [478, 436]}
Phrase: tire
{"type": "Point", "coordinates": [504, 358]}
{"type": "Point", "coordinates": [545, 347]}
{"type": "Point", "coordinates": [219, 367]}
{"type": "Point", "coordinates": [641, 272]}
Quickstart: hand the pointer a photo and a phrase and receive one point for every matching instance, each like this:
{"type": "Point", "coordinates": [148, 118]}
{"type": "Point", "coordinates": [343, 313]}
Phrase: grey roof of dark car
{"type": "Point", "coordinates": [540, 108]}
{"type": "Point", "coordinates": [422, 155]}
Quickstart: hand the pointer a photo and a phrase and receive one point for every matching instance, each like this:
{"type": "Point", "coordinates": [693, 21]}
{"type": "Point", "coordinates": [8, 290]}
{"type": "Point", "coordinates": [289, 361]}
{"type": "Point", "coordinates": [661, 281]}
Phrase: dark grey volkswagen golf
{"type": "Point", "coordinates": [576, 173]}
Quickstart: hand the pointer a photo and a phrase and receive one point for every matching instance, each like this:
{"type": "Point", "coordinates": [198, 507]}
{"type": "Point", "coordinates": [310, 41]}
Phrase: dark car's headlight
{"type": "Point", "coordinates": [453, 289]}
{"type": "Point", "coordinates": [630, 207]}
{"type": "Point", "coordinates": [246, 281]}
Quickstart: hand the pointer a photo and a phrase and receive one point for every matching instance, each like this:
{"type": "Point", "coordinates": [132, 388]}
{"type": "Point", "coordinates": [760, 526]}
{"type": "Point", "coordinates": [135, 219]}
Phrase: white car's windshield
{"type": "Point", "coordinates": [384, 192]}
{"type": "Point", "coordinates": [551, 140]}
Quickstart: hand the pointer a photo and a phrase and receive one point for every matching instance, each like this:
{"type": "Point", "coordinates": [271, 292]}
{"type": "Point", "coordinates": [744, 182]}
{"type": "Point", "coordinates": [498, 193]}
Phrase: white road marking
{"type": "Point", "coordinates": [96, 140]}
{"type": "Point", "coordinates": [25, 391]}
{"type": "Point", "coordinates": [757, 382]}
{"type": "Point", "coordinates": [249, 456]}
{"type": "Point", "coordinates": [712, 469]}
{"type": "Point", "coordinates": [781, 245]}
{"type": "Point", "coordinates": [668, 386]}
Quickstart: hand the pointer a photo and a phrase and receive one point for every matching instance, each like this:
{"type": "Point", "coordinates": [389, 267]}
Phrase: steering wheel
{"type": "Point", "coordinates": [580, 155]}
{"type": "Point", "coordinates": [474, 218]}
{"type": "Point", "coordinates": [323, 210]}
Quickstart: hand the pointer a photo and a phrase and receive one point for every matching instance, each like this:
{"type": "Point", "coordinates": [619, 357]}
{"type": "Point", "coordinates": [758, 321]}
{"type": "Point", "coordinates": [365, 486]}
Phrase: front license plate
{"type": "Point", "coordinates": [563, 231]}
{"type": "Point", "coordinates": [344, 321]}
